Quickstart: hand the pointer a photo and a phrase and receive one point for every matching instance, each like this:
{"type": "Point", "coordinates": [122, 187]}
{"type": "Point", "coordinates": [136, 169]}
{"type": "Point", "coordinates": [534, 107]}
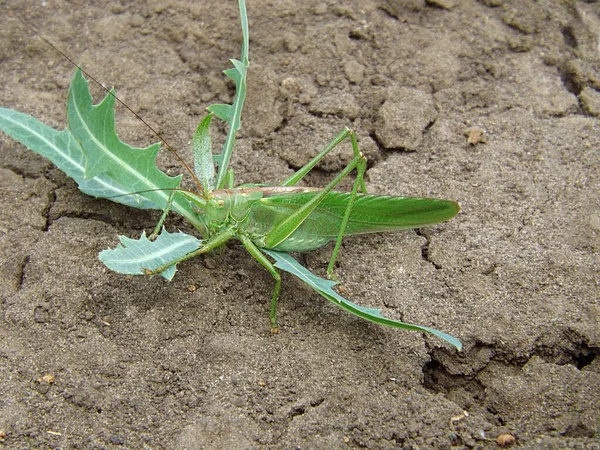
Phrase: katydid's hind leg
{"type": "Point", "coordinates": [287, 226]}
{"type": "Point", "coordinates": [264, 261]}
{"type": "Point", "coordinates": [163, 217]}
{"type": "Point", "coordinates": [359, 183]}
{"type": "Point", "coordinates": [303, 171]}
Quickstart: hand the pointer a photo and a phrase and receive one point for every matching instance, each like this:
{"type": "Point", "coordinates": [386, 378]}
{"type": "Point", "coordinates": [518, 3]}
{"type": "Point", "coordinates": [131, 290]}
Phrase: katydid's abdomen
{"type": "Point", "coordinates": [370, 214]}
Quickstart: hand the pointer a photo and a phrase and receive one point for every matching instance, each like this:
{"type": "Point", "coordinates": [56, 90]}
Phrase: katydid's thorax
{"type": "Point", "coordinates": [227, 209]}
{"type": "Point", "coordinates": [249, 211]}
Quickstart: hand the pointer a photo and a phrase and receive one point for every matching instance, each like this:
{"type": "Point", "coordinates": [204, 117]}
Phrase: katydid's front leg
{"type": "Point", "coordinates": [214, 242]}
{"type": "Point", "coordinates": [359, 162]}
{"type": "Point", "coordinates": [163, 217]}
{"type": "Point", "coordinates": [263, 260]}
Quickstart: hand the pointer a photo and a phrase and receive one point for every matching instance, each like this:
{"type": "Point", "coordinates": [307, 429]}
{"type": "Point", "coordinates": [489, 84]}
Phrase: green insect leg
{"type": "Point", "coordinates": [359, 162]}
{"type": "Point", "coordinates": [286, 227]}
{"type": "Point", "coordinates": [301, 173]}
{"type": "Point", "coordinates": [361, 167]}
{"type": "Point", "coordinates": [214, 242]}
{"type": "Point", "coordinates": [162, 219]}
{"type": "Point", "coordinates": [263, 260]}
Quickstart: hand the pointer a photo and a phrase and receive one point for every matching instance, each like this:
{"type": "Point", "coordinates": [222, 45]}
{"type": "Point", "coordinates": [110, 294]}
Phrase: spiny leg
{"type": "Point", "coordinates": [263, 260]}
{"type": "Point", "coordinates": [214, 242]}
{"type": "Point", "coordinates": [358, 182]}
{"type": "Point", "coordinates": [301, 173]}
{"type": "Point", "coordinates": [287, 227]}
{"type": "Point", "coordinates": [163, 217]}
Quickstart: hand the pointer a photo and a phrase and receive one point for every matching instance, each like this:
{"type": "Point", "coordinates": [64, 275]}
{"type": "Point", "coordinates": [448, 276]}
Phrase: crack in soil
{"type": "Point", "coordinates": [425, 253]}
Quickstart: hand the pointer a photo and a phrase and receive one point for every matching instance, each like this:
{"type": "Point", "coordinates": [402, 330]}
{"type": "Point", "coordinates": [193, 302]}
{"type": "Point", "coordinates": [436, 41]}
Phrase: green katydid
{"type": "Point", "coordinates": [267, 220]}
{"type": "Point", "coordinates": [287, 219]}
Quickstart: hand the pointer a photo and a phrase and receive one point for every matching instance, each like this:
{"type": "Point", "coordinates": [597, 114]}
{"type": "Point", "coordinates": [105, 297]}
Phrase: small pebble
{"type": "Point", "coordinates": [505, 440]}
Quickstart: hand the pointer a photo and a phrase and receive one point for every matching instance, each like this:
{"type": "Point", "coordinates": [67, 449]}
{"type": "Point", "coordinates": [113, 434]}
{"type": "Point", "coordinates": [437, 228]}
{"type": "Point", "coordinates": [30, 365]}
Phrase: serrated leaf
{"type": "Point", "coordinates": [324, 287]}
{"type": "Point", "coordinates": [64, 151]}
{"type": "Point", "coordinates": [134, 169]}
{"type": "Point", "coordinates": [134, 256]}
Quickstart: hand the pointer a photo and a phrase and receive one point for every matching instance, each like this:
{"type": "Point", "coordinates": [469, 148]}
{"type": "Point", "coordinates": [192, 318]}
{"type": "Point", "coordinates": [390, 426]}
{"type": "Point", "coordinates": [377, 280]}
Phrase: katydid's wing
{"type": "Point", "coordinates": [370, 214]}
{"type": "Point", "coordinates": [324, 287]}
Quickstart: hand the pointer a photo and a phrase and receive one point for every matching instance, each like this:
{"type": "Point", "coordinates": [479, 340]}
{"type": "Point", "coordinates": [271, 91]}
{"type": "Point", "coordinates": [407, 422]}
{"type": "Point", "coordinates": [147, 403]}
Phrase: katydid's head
{"type": "Point", "coordinates": [216, 211]}
{"type": "Point", "coordinates": [212, 210]}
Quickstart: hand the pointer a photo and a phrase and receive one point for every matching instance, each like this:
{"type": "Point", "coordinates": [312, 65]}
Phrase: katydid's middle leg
{"type": "Point", "coordinates": [262, 259]}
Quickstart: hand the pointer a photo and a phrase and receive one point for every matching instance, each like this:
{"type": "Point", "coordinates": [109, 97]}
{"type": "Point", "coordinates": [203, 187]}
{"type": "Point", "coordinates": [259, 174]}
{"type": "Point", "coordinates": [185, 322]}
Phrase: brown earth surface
{"type": "Point", "coordinates": [94, 359]}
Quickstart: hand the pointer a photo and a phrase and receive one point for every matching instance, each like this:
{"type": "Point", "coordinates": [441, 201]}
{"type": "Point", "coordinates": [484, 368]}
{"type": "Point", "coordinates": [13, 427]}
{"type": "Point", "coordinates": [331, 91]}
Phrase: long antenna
{"type": "Point", "coordinates": [167, 145]}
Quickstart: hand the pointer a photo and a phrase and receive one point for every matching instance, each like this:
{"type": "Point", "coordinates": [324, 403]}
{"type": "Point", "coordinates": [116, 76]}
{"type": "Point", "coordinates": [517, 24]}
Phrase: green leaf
{"type": "Point", "coordinates": [232, 113]}
{"type": "Point", "coordinates": [203, 161]}
{"type": "Point", "coordinates": [134, 169]}
{"type": "Point", "coordinates": [286, 262]}
{"type": "Point", "coordinates": [223, 112]}
{"type": "Point", "coordinates": [238, 72]}
{"type": "Point", "coordinates": [64, 151]}
{"type": "Point", "coordinates": [134, 256]}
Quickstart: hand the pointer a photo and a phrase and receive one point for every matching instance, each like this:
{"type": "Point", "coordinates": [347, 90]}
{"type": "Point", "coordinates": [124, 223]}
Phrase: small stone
{"type": "Point", "coordinates": [291, 87]}
{"type": "Point", "coordinates": [404, 117]}
{"type": "Point", "coordinates": [116, 440]}
{"type": "Point", "coordinates": [40, 315]}
{"type": "Point", "coordinates": [291, 42]}
{"type": "Point", "coordinates": [136, 21]}
{"type": "Point", "coordinates": [590, 100]}
{"type": "Point", "coordinates": [475, 135]}
{"type": "Point", "coordinates": [209, 263]}
{"type": "Point", "coordinates": [505, 440]}
{"type": "Point", "coordinates": [320, 9]}
{"type": "Point", "coordinates": [355, 71]}
{"type": "Point", "coordinates": [48, 378]}
{"type": "Point", "coordinates": [341, 105]}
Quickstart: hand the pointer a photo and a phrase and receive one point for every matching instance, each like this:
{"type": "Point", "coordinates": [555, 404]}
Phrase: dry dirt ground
{"type": "Point", "coordinates": [94, 359]}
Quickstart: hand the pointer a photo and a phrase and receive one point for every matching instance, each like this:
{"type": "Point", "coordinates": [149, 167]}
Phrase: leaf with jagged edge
{"type": "Point", "coordinates": [135, 256]}
{"type": "Point", "coordinates": [61, 148]}
{"type": "Point", "coordinates": [324, 287]}
{"type": "Point", "coordinates": [134, 169]}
